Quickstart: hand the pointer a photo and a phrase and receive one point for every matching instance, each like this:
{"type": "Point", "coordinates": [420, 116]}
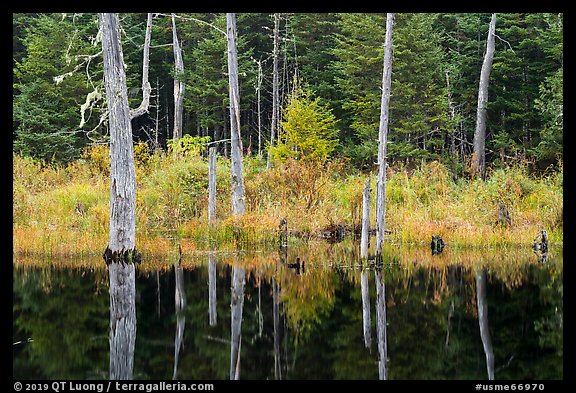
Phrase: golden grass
{"type": "Point", "coordinates": [172, 203]}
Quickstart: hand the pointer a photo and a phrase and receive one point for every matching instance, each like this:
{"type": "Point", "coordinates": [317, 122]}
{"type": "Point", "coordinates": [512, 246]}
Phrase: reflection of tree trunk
{"type": "Point", "coordinates": [276, 317]}
{"type": "Point", "coordinates": [212, 289]}
{"type": "Point", "coordinates": [237, 304]}
{"type": "Point", "coordinates": [259, 307]}
{"type": "Point", "coordinates": [483, 321]}
{"type": "Point", "coordinates": [381, 325]}
{"type": "Point", "coordinates": [366, 308]}
{"type": "Point", "coordinates": [180, 305]}
{"type": "Point", "coordinates": [122, 319]}
{"type": "Point", "coordinates": [448, 323]}
{"type": "Point", "coordinates": [158, 304]}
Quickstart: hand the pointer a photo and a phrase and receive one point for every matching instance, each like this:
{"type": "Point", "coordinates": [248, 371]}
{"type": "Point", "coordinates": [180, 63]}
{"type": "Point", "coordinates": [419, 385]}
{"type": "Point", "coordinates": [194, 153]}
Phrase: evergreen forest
{"type": "Point", "coordinates": [329, 68]}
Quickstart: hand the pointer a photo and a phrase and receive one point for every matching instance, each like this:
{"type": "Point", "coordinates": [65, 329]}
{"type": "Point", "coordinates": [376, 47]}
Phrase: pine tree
{"type": "Point", "coordinates": [308, 129]}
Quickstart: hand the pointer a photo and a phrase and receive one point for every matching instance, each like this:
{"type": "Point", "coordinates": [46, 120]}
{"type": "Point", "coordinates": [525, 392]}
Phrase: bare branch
{"type": "Point", "coordinates": [503, 40]}
{"type": "Point", "coordinates": [189, 18]}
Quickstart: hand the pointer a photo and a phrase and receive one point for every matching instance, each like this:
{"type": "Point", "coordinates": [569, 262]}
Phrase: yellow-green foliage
{"type": "Point", "coordinates": [60, 209]}
{"type": "Point", "coordinates": [188, 145]}
{"type": "Point", "coordinates": [308, 130]}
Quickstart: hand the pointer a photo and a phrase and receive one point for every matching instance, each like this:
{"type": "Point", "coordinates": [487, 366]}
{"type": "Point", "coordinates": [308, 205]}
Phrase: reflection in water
{"type": "Point", "coordinates": [180, 305]}
{"type": "Point", "coordinates": [237, 303]}
{"type": "Point", "coordinates": [212, 289]}
{"type": "Point", "coordinates": [434, 318]}
{"type": "Point", "coordinates": [381, 325]}
{"type": "Point", "coordinates": [366, 308]}
{"type": "Point", "coordinates": [276, 323]}
{"type": "Point", "coordinates": [122, 319]}
{"type": "Point", "coordinates": [483, 320]}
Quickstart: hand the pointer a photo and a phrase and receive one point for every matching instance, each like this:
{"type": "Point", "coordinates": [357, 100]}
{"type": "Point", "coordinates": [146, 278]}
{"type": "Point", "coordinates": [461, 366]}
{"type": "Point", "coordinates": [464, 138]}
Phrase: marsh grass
{"type": "Point", "coordinates": [64, 210]}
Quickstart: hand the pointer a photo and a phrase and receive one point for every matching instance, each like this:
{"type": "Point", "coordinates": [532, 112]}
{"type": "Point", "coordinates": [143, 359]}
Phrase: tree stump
{"type": "Point", "coordinates": [542, 245]}
{"type": "Point", "coordinates": [283, 232]}
{"type": "Point", "coordinates": [437, 245]}
{"type": "Point", "coordinates": [503, 215]}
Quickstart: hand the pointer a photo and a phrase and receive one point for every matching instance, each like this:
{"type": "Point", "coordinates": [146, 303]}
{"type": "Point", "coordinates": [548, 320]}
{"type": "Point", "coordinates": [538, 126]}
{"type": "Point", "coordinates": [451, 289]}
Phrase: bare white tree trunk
{"type": "Point", "coordinates": [122, 170]}
{"type": "Point", "coordinates": [179, 86]}
{"type": "Point", "coordinates": [236, 141]}
{"type": "Point", "coordinates": [479, 156]}
{"type": "Point", "coordinates": [383, 135]}
{"type": "Point", "coordinates": [237, 301]}
{"type": "Point", "coordinates": [259, 114]}
{"type": "Point", "coordinates": [365, 238]}
{"type": "Point", "coordinates": [121, 245]}
{"type": "Point", "coordinates": [275, 84]}
{"type": "Point", "coordinates": [146, 87]}
{"type": "Point", "coordinates": [212, 186]}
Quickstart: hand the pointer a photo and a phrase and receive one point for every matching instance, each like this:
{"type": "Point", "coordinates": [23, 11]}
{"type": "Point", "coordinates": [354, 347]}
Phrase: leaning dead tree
{"type": "Point", "coordinates": [383, 135]}
{"type": "Point", "coordinates": [479, 155]}
{"type": "Point", "coordinates": [121, 249]}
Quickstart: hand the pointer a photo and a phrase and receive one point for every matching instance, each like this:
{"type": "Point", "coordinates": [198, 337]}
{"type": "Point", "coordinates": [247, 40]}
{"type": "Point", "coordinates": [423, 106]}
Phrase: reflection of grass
{"type": "Point", "coordinates": [308, 297]}
{"type": "Point", "coordinates": [61, 210]}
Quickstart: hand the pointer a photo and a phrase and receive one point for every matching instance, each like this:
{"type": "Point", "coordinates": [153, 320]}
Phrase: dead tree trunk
{"type": "Point", "coordinates": [212, 187]}
{"type": "Point", "coordinates": [259, 112]}
{"type": "Point", "coordinates": [119, 254]}
{"type": "Point", "coordinates": [146, 87]}
{"type": "Point", "coordinates": [365, 239]}
{"type": "Point", "coordinates": [478, 155]}
{"type": "Point", "coordinates": [275, 84]}
{"type": "Point", "coordinates": [236, 141]}
{"type": "Point", "coordinates": [122, 170]}
{"type": "Point", "coordinates": [382, 137]}
{"type": "Point", "coordinates": [179, 86]}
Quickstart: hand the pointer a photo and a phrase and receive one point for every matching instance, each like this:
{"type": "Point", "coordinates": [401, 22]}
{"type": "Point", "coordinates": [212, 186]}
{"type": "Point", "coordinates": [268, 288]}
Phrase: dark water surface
{"type": "Point", "coordinates": [457, 316]}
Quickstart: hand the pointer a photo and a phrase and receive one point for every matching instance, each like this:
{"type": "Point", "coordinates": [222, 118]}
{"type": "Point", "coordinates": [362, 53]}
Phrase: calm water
{"type": "Point", "coordinates": [460, 315]}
